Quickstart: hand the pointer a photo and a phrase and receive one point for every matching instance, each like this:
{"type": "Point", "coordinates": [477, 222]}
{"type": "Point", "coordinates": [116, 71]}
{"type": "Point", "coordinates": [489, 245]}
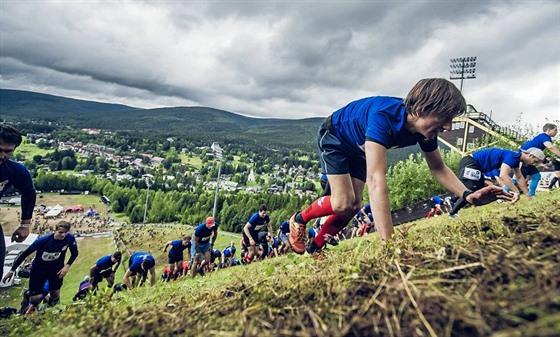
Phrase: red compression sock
{"type": "Point", "coordinates": [317, 209]}
{"type": "Point", "coordinates": [334, 224]}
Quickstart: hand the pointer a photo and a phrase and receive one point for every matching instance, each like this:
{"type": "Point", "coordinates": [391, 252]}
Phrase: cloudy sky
{"type": "Point", "coordinates": [284, 59]}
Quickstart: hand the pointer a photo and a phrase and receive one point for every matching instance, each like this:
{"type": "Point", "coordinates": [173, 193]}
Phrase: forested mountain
{"type": "Point", "coordinates": [200, 123]}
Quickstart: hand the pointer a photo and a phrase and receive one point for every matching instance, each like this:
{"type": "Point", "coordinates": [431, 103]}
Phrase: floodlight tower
{"type": "Point", "coordinates": [463, 68]}
{"type": "Point", "coordinates": [218, 153]}
{"type": "Point", "coordinates": [147, 178]}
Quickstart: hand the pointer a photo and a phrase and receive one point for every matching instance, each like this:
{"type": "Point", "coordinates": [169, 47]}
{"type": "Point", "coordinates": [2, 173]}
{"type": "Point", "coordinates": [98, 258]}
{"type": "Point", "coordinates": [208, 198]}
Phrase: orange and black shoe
{"type": "Point", "coordinates": [297, 236]}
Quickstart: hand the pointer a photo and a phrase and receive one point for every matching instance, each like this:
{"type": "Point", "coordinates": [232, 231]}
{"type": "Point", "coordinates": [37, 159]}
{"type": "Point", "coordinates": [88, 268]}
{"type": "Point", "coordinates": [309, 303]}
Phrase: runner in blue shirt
{"type": "Point", "coordinates": [437, 206]}
{"type": "Point", "coordinates": [49, 262]}
{"type": "Point", "coordinates": [228, 254]}
{"type": "Point", "coordinates": [139, 264]}
{"type": "Point", "coordinates": [353, 144]}
{"type": "Point", "coordinates": [15, 174]}
{"type": "Point", "coordinates": [257, 223]}
{"type": "Point", "coordinates": [282, 234]}
{"type": "Point", "coordinates": [214, 254]}
{"type": "Point", "coordinates": [175, 256]}
{"type": "Point", "coordinates": [471, 170]}
{"type": "Point", "coordinates": [542, 141]}
{"type": "Point", "coordinates": [205, 236]}
{"type": "Point", "coordinates": [105, 268]}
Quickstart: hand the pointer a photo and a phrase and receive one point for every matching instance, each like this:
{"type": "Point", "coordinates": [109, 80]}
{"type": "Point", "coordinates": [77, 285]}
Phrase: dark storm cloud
{"type": "Point", "coordinates": [280, 58]}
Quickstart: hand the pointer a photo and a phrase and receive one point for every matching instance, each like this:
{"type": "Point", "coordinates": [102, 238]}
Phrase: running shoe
{"type": "Point", "coordinates": [297, 236]}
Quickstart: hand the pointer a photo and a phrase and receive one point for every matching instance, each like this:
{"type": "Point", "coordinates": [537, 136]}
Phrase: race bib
{"type": "Point", "coordinates": [472, 174]}
{"type": "Point", "coordinates": [50, 256]}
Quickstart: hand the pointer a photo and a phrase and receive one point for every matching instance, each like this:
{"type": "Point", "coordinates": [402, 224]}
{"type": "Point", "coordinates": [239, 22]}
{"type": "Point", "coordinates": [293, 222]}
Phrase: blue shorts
{"type": "Point", "coordinates": [283, 237]}
{"type": "Point", "coordinates": [203, 248]}
{"type": "Point", "coordinates": [335, 158]}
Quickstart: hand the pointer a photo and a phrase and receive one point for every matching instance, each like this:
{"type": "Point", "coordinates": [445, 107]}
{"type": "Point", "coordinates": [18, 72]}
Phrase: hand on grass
{"type": "Point", "coordinates": [489, 194]}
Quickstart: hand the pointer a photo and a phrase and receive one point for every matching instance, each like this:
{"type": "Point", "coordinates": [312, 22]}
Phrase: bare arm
{"type": "Point", "coordinates": [552, 148]}
{"type": "Point", "coordinates": [166, 245]}
{"type": "Point", "coordinates": [443, 174]}
{"type": "Point", "coordinates": [153, 276]}
{"type": "Point", "coordinates": [522, 182]}
{"type": "Point", "coordinates": [505, 171]}
{"type": "Point", "coordinates": [92, 270]}
{"type": "Point", "coordinates": [246, 231]}
{"type": "Point", "coordinates": [214, 237]}
{"type": "Point", "coordinates": [126, 279]}
{"type": "Point", "coordinates": [376, 163]}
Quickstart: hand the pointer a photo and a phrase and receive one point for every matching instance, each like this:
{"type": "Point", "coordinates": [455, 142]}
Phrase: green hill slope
{"type": "Point", "coordinates": [493, 272]}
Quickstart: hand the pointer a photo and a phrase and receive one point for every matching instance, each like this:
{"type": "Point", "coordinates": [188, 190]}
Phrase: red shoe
{"type": "Point", "coordinates": [297, 236]}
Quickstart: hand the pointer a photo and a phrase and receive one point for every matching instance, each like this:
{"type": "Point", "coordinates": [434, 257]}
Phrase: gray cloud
{"type": "Point", "coordinates": [282, 58]}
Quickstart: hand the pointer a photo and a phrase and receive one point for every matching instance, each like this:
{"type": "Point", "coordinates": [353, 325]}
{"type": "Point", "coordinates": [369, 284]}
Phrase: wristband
{"type": "Point", "coordinates": [24, 225]}
{"type": "Point", "coordinates": [466, 194]}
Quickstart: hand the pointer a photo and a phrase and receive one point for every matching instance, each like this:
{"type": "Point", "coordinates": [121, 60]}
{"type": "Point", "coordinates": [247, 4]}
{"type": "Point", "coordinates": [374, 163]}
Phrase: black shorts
{"type": "Point", "coordinates": [174, 258]}
{"type": "Point", "coordinates": [529, 170]}
{"type": "Point", "coordinates": [99, 276]}
{"type": "Point", "coordinates": [335, 158]}
{"type": "Point", "coordinates": [469, 165]}
{"type": "Point", "coordinates": [556, 164]}
{"type": "Point", "coordinates": [38, 278]}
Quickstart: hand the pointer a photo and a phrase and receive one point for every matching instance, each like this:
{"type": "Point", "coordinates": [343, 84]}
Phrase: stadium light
{"type": "Point", "coordinates": [146, 178]}
{"type": "Point", "coordinates": [463, 68]}
{"type": "Point", "coordinates": [218, 153]}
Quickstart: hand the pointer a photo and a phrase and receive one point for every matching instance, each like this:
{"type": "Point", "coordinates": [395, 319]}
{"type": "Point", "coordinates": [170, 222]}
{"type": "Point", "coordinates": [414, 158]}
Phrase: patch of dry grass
{"type": "Point", "coordinates": [494, 272]}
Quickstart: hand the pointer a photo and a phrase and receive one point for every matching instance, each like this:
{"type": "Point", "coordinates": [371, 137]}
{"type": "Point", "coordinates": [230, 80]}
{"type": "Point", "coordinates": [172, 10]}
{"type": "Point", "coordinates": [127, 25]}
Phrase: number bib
{"type": "Point", "coordinates": [47, 257]}
{"type": "Point", "coordinates": [472, 174]}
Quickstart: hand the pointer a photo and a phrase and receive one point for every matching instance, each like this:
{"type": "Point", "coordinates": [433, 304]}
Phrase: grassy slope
{"type": "Point", "coordinates": [494, 272]}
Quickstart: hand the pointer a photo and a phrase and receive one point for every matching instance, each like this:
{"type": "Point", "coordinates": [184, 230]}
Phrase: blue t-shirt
{"type": "Point", "coordinates": [204, 233]}
{"type": "Point", "coordinates": [215, 254]}
{"type": "Point", "coordinates": [137, 259]}
{"type": "Point", "coordinates": [50, 253]}
{"type": "Point", "coordinates": [285, 227]}
{"type": "Point", "coordinates": [258, 223]}
{"type": "Point", "coordinates": [492, 158]}
{"type": "Point", "coordinates": [379, 119]}
{"type": "Point", "coordinates": [438, 200]}
{"type": "Point", "coordinates": [537, 142]}
{"type": "Point", "coordinates": [177, 248]}
{"type": "Point", "coordinates": [229, 251]}
{"type": "Point", "coordinates": [104, 263]}
{"type": "Point", "coordinates": [492, 174]}
{"type": "Point", "coordinates": [15, 174]}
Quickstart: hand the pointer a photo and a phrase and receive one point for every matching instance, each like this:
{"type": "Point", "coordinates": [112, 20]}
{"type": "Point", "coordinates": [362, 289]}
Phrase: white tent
{"type": "Point", "coordinates": [54, 212]}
